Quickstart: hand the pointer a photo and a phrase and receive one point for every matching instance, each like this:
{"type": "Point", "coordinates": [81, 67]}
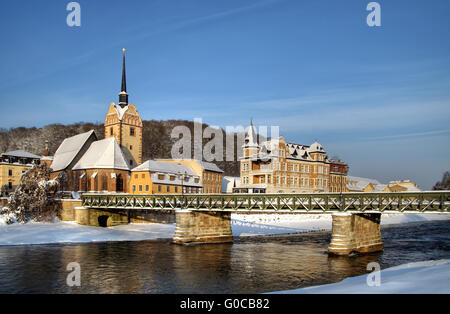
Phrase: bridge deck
{"type": "Point", "coordinates": [404, 202]}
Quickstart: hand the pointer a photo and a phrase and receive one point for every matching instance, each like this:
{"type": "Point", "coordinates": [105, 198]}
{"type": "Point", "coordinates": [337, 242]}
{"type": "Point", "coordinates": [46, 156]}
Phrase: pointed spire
{"type": "Point", "coordinates": [251, 139]}
{"type": "Point", "coordinates": [123, 96]}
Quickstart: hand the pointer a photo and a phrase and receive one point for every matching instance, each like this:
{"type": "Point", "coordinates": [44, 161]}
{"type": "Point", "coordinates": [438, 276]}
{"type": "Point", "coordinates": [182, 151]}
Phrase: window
{"type": "Point", "coordinates": [133, 188]}
{"type": "Point", "coordinates": [176, 189]}
{"type": "Point", "coordinates": [159, 188]}
{"type": "Point", "coordinates": [161, 176]}
{"type": "Point", "coordinates": [168, 189]}
{"type": "Point", "coordinates": [111, 131]}
{"type": "Point", "coordinates": [140, 187]}
{"type": "Point", "coordinates": [143, 176]}
{"type": "Point", "coordinates": [136, 176]}
{"type": "Point", "coordinates": [10, 185]}
{"type": "Point", "coordinates": [172, 178]}
{"type": "Point", "coordinates": [147, 188]}
{"type": "Point", "coordinates": [131, 147]}
{"type": "Point", "coordinates": [10, 172]}
{"type": "Point", "coordinates": [131, 162]}
{"type": "Point", "coordinates": [132, 133]}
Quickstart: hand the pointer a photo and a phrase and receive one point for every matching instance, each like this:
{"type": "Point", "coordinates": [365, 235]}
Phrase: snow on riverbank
{"type": "Point", "coordinates": [70, 232]}
{"type": "Point", "coordinates": [263, 224]}
{"type": "Point", "coordinates": [413, 278]}
{"type": "Point", "coordinates": [242, 225]}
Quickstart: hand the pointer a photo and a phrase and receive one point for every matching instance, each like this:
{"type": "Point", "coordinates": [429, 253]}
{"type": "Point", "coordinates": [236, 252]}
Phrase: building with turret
{"type": "Point", "coordinates": [277, 166]}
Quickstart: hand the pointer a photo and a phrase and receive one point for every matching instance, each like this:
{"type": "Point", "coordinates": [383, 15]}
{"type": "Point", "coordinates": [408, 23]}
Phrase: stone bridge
{"type": "Point", "coordinates": [204, 218]}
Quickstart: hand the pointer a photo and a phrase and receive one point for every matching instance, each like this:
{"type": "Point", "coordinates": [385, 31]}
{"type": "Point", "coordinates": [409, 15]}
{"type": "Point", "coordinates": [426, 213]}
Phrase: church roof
{"type": "Point", "coordinates": [104, 154]}
{"type": "Point", "coordinates": [69, 149]}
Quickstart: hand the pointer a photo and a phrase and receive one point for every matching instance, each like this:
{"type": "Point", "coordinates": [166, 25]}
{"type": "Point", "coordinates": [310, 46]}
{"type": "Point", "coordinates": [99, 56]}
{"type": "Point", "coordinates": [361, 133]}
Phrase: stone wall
{"type": "Point", "coordinates": [202, 227]}
{"type": "Point", "coordinates": [355, 233]}
{"type": "Point", "coordinates": [67, 209]}
{"type": "Point", "coordinates": [100, 218]}
{"type": "Point", "coordinates": [3, 201]}
{"type": "Point", "coordinates": [152, 216]}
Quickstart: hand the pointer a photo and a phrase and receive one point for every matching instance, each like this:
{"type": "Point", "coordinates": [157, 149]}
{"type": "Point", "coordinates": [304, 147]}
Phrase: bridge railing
{"type": "Point", "coordinates": [438, 201]}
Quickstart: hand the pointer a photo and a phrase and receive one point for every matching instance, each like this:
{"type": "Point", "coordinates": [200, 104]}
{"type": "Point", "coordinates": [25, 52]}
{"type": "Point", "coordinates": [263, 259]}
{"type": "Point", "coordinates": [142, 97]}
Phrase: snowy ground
{"type": "Point", "coordinates": [251, 225]}
{"type": "Point", "coordinates": [242, 225]}
{"type": "Point", "coordinates": [413, 278]}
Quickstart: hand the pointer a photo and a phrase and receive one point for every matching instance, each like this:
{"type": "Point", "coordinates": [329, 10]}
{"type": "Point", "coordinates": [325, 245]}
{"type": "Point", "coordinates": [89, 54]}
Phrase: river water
{"type": "Point", "coordinates": [249, 265]}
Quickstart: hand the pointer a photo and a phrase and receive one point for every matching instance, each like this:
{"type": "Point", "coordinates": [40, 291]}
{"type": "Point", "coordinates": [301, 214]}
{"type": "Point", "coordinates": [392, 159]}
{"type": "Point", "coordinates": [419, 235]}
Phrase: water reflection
{"type": "Point", "coordinates": [248, 266]}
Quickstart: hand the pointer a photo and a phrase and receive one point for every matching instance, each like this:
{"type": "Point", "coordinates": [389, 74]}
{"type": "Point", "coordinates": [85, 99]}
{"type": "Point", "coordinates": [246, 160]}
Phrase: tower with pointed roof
{"type": "Point", "coordinates": [251, 146]}
{"type": "Point", "coordinates": [124, 123]}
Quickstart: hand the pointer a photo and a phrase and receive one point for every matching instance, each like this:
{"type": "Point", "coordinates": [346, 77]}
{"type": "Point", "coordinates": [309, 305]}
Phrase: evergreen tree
{"type": "Point", "coordinates": [444, 184]}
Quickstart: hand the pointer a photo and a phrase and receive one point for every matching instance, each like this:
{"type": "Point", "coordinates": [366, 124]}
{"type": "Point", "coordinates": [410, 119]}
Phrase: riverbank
{"type": "Point", "coordinates": [242, 226]}
{"type": "Point", "coordinates": [430, 277]}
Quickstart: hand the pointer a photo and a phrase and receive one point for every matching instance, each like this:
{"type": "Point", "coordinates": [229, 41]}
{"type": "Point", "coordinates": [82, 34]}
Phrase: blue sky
{"type": "Point", "coordinates": [377, 97]}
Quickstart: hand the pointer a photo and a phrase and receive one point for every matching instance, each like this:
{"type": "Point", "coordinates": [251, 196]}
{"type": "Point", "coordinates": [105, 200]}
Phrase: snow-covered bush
{"type": "Point", "coordinates": [33, 199]}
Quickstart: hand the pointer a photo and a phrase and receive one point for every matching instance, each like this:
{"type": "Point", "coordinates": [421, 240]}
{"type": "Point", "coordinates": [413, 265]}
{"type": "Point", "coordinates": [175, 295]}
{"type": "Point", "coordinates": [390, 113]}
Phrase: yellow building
{"type": "Point", "coordinates": [210, 175]}
{"type": "Point", "coordinates": [12, 166]}
{"type": "Point", "coordinates": [124, 123]}
{"type": "Point", "coordinates": [275, 166]}
{"type": "Point", "coordinates": [157, 177]}
{"type": "Point", "coordinates": [403, 186]}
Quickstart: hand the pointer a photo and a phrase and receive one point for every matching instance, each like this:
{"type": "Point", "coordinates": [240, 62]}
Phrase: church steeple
{"type": "Point", "coordinates": [123, 96]}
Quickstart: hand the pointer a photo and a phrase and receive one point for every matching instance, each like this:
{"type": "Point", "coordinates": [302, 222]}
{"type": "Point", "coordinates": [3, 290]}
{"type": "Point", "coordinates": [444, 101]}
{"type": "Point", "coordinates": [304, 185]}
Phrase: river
{"type": "Point", "coordinates": [249, 265]}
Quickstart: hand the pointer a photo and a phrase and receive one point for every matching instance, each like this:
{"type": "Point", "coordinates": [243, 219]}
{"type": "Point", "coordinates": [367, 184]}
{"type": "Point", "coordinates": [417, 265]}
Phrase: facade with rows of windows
{"type": "Point", "coordinates": [12, 166]}
{"type": "Point", "coordinates": [275, 166]}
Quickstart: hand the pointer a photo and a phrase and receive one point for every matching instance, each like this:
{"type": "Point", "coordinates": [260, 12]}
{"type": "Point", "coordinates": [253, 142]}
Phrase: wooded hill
{"type": "Point", "coordinates": [157, 141]}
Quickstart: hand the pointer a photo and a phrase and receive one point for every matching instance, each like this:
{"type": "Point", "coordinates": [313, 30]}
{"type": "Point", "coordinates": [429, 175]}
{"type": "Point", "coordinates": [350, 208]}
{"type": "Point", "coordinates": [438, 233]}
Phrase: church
{"type": "Point", "coordinates": [83, 163]}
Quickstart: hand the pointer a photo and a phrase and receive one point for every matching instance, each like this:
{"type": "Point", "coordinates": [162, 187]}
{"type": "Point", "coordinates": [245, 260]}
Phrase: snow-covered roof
{"type": "Point", "coordinates": [21, 154]}
{"type": "Point", "coordinates": [209, 166]}
{"type": "Point", "coordinates": [69, 149]}
{"type": "Point", "coordinates": [251, 139]}
{"type": "Point", "coordinates": [104, 154]}
{"type": "Point", "coordinates": [316, 147]}
{"type": "Point", "coordinates": [380, 187]}
{"type": "Point", "coordinates": [360, 179]}
{"type": "Point", "coordinates": [165, 167]}
{"type": "Point", "coordinates": [359, 184]}
{"type": "Point", "coordinates": [189, 180]}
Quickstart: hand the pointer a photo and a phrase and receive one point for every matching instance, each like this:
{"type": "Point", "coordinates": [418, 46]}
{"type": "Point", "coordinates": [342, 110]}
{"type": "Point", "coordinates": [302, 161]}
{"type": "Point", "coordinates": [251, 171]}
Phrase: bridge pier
{"type": "Point", "coordinates": [202, 227]}
{"type": "Point", "coordinates": [355, 233]}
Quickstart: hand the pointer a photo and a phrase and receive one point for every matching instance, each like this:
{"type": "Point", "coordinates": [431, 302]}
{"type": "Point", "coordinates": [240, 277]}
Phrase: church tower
{"type": "Point", "coordinates": [124, 123]}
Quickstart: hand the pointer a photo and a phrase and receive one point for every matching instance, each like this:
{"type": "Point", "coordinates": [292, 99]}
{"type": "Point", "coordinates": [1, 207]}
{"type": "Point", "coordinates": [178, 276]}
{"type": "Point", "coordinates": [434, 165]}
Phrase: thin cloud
{"type": "Point", "coordinates": [401, 136]}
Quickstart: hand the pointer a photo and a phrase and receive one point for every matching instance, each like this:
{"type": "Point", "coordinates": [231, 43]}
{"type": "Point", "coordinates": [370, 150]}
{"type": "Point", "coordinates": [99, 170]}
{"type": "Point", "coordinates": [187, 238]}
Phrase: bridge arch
{"type": "Point", "coordinates": [103, 221]}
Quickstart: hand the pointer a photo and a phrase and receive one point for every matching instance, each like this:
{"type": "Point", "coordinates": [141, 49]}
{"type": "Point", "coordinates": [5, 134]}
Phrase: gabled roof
{"type": "Point", "coordinates": [21, 154]}
{"type": "Point", "coordinates": [209, 166]}
{"type": "Point", "coordinates": [165, 167]}
{"type": "Point", "coordinates": [69, 149]}
{"type": "Point", "coordinates": [104, 154]}
{"type": "Point", "coordinates": [359, 184]}
{"type": "Point", "coordinates": [364, 180]}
